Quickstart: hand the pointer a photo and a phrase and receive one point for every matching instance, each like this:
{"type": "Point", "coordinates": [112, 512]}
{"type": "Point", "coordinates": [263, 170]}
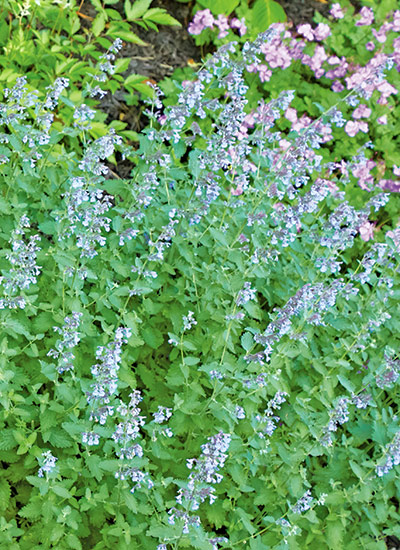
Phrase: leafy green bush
{"type": "Point", "coordinates": [203, 355]}
{"type": "Point", "coordinates": [46, 40]}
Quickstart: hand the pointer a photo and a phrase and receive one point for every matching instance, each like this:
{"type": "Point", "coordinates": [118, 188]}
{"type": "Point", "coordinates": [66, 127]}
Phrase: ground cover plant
{"type": "Point", "coordinates": [203, 355]}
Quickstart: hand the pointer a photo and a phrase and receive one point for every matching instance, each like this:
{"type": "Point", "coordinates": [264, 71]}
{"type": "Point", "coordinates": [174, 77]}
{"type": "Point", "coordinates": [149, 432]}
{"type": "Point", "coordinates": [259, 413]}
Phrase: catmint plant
{"type": "Point", "coordinates": [230, 308]}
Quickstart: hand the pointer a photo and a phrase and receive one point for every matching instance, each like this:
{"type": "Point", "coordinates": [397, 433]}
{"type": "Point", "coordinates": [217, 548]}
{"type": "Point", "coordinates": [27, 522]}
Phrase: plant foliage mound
{"type": "Point", "coordinates": [203, 355]}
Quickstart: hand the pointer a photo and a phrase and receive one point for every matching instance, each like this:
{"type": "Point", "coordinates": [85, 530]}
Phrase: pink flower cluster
{"type": "Point", "coordinates": [285, 48]}
{"type": "Point", "coordinates": [354, 126]}
{"type": "Point", "coordinates": [367, 17]}
{"type": "Point", "coordinates": [277, 54]}
{"type": "Point", "coordinates": [303, 122]}
{"type": "Point", "coordinates": [204, 19]}
{"type": "Point", "coordinates": [321, 31]}
{"type": "Point", "coordinates": [336, 11]}
{"type": "Point", "coordinates": [367, 79]}
{"type": "Point", "coordinates": [361, 170]}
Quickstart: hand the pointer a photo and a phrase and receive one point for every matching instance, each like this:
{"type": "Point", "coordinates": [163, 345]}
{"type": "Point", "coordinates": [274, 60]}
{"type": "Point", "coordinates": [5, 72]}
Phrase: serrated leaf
{"type": "Point", "coordinates": [93, 462]}
{"type": "Point", "coordinates": [74, 542]}
{"type": "Point", "coordinates": [357, 470]}
{"type": "Point", "coordinates": [134, 79]}
{"type": "Point", "coordinates": [16, 327]}
{"type": "Point", "coordinates": [109, 465]}
{"type": "Point", "coordinates": [191, 361]}
{"type": "Point", "coordinates": [7, 440]}
{"type": "Point", "coordinates": [346, 383]}
{"type": "Point", "coordinates": [129, 36]}
{"type": "Point", "coordinates": [137, 9]}
{"type": "Point", "coordinates": [74, 428]}
{"type": "Point", "coordinates": [30, 511]}
{"type": "Point", "coordinates": [67, 393]}
{"type": "Point", "coordinates": [334, 534]}
{"type": "Point", "coordinates": [60, 439]}
{"type": "Point", "coordinates": [61, 491]}
{"type": "Point", "coordinates": [122, 64]}
{"type": "Point", "coordinates": [5, 492]}
{"type": "Point", "coordinates": [144, 89]}
{"type": "Point", "coordinates": [220, 6]}
{"type": "Point", "coordinates": [160, 16]}
{"type": "Point", "coordinates": [246, 520]}
{"type": "Point", "coordinates": [98, 24]}
{"type": "Point", "coordinates": [153, 337]}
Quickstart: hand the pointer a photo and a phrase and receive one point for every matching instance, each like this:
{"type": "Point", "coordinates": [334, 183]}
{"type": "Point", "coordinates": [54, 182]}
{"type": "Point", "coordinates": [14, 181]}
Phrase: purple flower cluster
{"type": "Point", "coordinates": [266, 424]}
{"type": "Point", "coordinates": [205, 472]}
{"type": "Point", "coordinates": [303, 504]}
{"type": "Point", "coordinates": [128, 430]}
{"type": "Point", "coordinates": [70, 338]}
{"type": "Point", "coordinates": [106, 375]}
{"type": "Point", "coordinates": [189, 321]}
{"type": "Point", "coordinates": [284, 48]}
{"type": "Point", "coordinates": [24, 270]}
{"type": "Point", "coordinates": [47, 464]}
{"type": "Point", "coordinates": [392, 456]}
{"type": "Point", "coordinates": [337, 415]}
{"type": "Point", "coordinates": [245, 294]}
{"type": "Point", "coordinates": [105, 66]}
{"type": "Point", "coordinates": [85, 215]}
{"type": "Point", "coordinates": [311, 300]}
{"type": "Point", "coordinates": [136, 476]}
{"type": "Point", "coordinates": [53, 93]}
{"type": "Point", "coordinates": [162, 415]}
{"type": "Point", "coordinates": [391, 371]}
{"type": "Point", "coordinates": [98, 150]}
{"type": "Point", "coordinates": [204, 19]}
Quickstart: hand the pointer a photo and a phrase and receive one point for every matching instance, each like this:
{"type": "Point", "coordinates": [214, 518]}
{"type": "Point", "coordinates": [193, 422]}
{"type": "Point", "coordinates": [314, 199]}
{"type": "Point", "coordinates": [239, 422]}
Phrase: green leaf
{"type": "Point", "coordinates": [7, 440]}
{"type": "Point", "coordinates": [122, 64]}
{"type": "Point", "coordinates": [5, 493]}
{"type": "Point", "coordinates": [43, 322]}
{"type": "Point", "coordinates": [144, 89]}
{"type": "Point", "coordinates": [98, 24]}
{"type": "Point", "coordinates": [74, 542]}
{"type": "Point", "coordinates": [134, 79]}
{"type": "Point", "coordinates": [128, 36]}
{"type": "Point", "coordinates": [60, 439]}
{"type": "Point", "coordinates": [257, 544]}
{"type": "Point", "coordinates": [30, 511]}
{"type": "Point", "coordinates": [265, 12]}
{"type": "Point", "coordinates": [334, 534]}
{"type": "Point", "coordinates": [346, 383]}
{"type": "Point", "coordinates": [357, 470]}
{"type": "Point", "coordinates": [160, 16]}
{"type": "Point", "coordinates": [220, 6]}
{"type": "Point", "coordinates": [93, 462]}
{"type": "Point", "coordinates": [191, 361]}
{"type": "Point", "coordinates": [109, 465]}
{"type": "Point", "coordinates": [247, 341]}
{"type": "Point", "coordinates": [61, 491]}
{"type": "Point", "coordinates": [16, 327]}
{"type": "Point", "coordinates": [246, 520]}
{"type": "Point", "coordinates": [137, 9]}
{"type": "Point", "coordinates": [153, 337]}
